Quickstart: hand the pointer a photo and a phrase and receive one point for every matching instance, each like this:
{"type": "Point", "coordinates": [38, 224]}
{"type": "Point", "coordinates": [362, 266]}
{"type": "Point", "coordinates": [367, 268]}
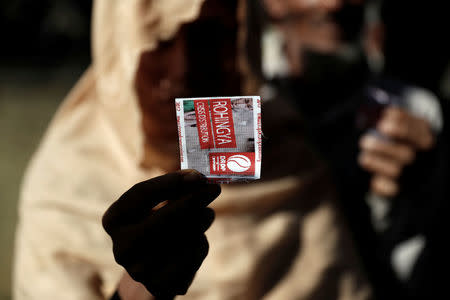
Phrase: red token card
{"type": "Point", "coordinates": [221, 137]}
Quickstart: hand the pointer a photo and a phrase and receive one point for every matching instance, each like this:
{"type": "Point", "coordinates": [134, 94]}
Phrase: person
{"type": "Point", "coordinates": [415, 59]}
{"type": "Point", "coordinates": [279, 238]}
{"type": "Point", "coordinates": [324, 70]}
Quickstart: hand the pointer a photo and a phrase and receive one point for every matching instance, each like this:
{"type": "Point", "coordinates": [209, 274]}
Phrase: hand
{"type": "Point", "coordinates": [386, 157]}
{"type": "Point", "coordinates": [163, 248]}
{"type": "Point", "coordinates": [282, 8]}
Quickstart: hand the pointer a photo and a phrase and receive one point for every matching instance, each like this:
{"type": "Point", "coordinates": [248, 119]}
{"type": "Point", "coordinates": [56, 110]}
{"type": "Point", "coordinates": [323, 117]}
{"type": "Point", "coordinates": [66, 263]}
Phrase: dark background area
{"type": "Point", "coordinates": [45, 32]}
{"type": "Point", "coordinates": [44, 49]}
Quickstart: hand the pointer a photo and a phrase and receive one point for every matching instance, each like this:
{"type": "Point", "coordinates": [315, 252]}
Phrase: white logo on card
{"type": "Point", "coordinates": [238, 163]}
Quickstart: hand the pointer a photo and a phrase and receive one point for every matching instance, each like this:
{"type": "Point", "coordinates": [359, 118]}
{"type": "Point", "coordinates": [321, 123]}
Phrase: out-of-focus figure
{"type": "Point", "coordinates": [414, 223]}
{"type": "Point", "coordinates": [380, 133]}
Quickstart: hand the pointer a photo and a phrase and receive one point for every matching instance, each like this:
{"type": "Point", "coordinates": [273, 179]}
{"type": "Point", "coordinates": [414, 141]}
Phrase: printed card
{"type": "Point", "coordinates": [221, 137]}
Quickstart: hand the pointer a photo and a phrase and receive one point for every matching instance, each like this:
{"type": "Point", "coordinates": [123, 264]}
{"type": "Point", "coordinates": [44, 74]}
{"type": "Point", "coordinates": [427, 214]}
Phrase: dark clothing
{"type": "Point", "coordinates": [421, 208]}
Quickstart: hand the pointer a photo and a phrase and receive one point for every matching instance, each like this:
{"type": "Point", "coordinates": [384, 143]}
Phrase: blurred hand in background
{"type": "Point", "coordinates": [385, 157]}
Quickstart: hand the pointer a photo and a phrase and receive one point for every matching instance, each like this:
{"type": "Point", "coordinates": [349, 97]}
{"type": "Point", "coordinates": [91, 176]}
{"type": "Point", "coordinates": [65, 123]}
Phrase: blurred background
{"type": "Point", "coordinates": [45, 48]}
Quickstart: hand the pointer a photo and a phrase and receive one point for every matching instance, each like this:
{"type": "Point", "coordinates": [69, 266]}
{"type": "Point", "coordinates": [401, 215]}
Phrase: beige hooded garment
{"type": "Point", "coordinates": [91, 154]}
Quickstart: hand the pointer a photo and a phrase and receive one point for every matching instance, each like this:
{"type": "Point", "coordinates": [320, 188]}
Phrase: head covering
{"type": "Point", "coordinates": [122, 32]}
{"type": "Point", "coordinates": [89, 156]}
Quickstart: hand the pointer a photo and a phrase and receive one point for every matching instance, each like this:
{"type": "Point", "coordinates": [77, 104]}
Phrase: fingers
{"type": "Point", "coordinates": [186, 214]}
{"type": "Point", "coordinates": [396, 151]}
{"type": "Point", "coordinates": [201, 195]}
{"type": "Point", "coordinates": [160, 235]}
{"type": "Point", "coordinates": [398, 124]}
{"type": "Point", "coordinates": [136, 204]}
{"type": "Point", "coordinates": [177, 226]}
{"type": "Point", "coordinates": [386, 158]}
{"type": "Point", "coordinates": [379, 164]}
{"type": "Point", "coordinates": [188, 204]}
{"type": "Point", "coordinates": [280, 9]}
{"type": "Point", "coordinates": [384, 186]}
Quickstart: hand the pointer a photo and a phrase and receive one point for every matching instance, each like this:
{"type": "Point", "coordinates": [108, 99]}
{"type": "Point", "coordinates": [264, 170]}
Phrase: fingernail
{"type": "Point", "coordinates": [193, 176]}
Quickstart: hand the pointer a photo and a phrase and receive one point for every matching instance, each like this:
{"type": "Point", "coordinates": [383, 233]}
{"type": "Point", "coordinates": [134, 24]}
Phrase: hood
{"type": "Point", "coordinates": [122, 31]}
